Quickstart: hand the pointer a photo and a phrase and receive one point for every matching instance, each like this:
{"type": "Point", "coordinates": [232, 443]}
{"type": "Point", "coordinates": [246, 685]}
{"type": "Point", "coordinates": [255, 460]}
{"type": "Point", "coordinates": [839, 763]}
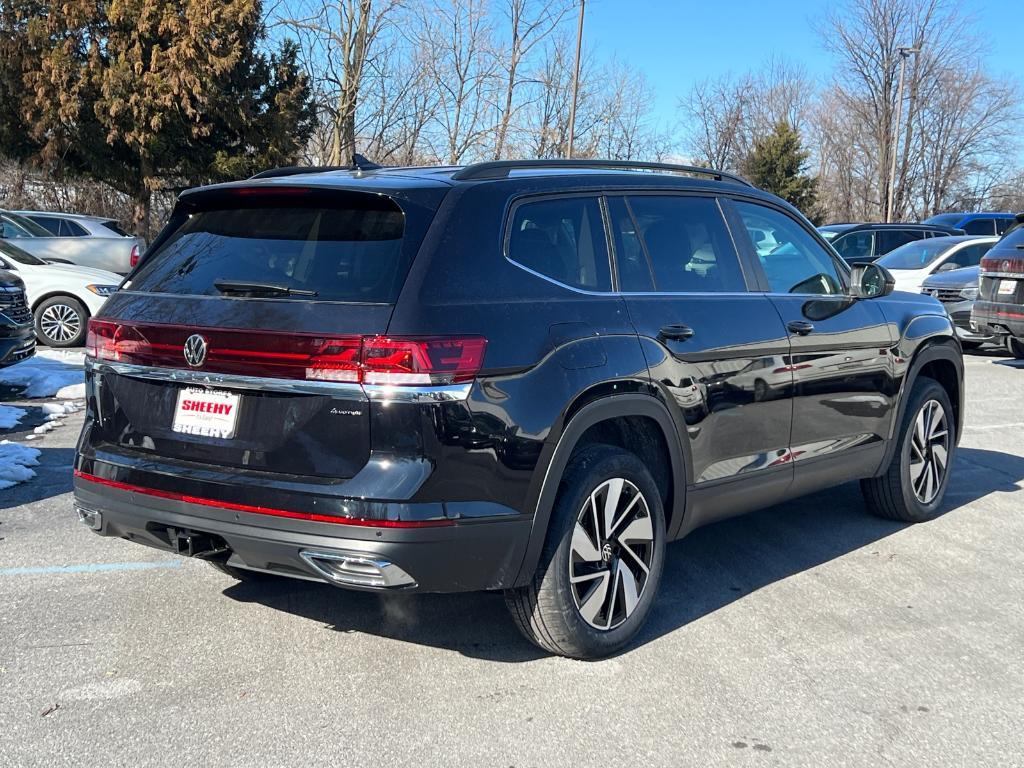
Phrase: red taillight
{"type": "Point", "coordinates": [792, 368]}
{"type": "Point", "coordinates": [997, 264]}
{"type": "Point", "coordinates": [421, 361]}
{"type": "Point", "coordinates": [134, 259]}
{"type": "Point", "coordinates": [366, 359]}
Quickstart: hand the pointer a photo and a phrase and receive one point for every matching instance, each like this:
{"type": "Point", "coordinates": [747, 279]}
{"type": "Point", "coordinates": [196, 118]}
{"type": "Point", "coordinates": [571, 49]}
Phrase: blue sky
{"type": "Point", "coordinates": [676, 43]}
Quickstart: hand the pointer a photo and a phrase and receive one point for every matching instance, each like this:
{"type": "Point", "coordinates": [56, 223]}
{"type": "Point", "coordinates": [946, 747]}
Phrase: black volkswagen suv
{"type": "Point", "coordinates": [525, 376]}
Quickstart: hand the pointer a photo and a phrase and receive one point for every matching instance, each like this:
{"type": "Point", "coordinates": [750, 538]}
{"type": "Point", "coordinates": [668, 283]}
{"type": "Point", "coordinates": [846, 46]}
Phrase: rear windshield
{"type": "Point", "coordinates": [349, 252]}
{"type": "Point", "coordinates": [945, 219]}
{"type": "Point", "coordinates": [114, 227]}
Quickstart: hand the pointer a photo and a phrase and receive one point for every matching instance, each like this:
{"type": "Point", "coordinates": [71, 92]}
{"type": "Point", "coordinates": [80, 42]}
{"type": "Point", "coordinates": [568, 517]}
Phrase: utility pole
{"type": "Point", "coordinates": [576, 78]}
{"type": "Point", "coordinates": [905, 52]}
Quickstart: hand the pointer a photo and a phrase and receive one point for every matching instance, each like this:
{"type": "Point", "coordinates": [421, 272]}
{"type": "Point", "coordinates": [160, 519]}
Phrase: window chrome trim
{"type": "Point", "coordinates": [351, 390]}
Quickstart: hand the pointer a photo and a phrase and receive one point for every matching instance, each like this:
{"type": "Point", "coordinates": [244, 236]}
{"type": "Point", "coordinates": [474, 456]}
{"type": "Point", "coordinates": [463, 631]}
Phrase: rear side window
{"type": "Point", "coordinates": [1002, 225]}
{"type": "Point", "coordinates": [980, 227]}
{"type": "Point", "coordinates": [71, 229]}
{"type": "Point", "coordinates": [114, 227]}
{"type": "Point", "coordinates": [687, 244]}
{"type": "Point", "coordinates": [352, 251]}
{"type": "Point", "coordinates": [854, 246]}
{"type": "Point", "coordinates": [890, 239]}
{"type": "Point", "coordinates": [562, 239]}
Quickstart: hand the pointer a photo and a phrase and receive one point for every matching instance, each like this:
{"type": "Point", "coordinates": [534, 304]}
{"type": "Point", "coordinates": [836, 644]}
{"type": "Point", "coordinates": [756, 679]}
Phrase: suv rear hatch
{"type": "Point", "coordinates": [239, 341]}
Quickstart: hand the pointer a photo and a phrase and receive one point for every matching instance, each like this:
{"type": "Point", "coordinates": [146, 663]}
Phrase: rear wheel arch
{"type": "Point", "coordinates": [636, 422]}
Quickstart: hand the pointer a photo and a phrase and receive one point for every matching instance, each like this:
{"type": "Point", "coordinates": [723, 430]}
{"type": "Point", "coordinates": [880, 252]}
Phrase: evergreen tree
{"type": "Point", "coordinates": [777, 163]}
{"type": "Point", "coordinates": [148, 94]}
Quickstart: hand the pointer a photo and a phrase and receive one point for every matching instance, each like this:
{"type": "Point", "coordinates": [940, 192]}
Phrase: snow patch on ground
{"type": "Point", "coordinates": [9, 416]}
{"type": "Point", "coordinates": [15, 460]}
{"type": "Point", "coordinates": [51, 372]}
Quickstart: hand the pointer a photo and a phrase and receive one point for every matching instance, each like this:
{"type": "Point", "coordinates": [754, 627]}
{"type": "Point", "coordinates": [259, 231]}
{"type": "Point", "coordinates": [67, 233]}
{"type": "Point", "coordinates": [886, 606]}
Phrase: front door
{"type": "Point", "coordinates": [718, 352]}
{"type": "Point", "coordinates": [840, 347]}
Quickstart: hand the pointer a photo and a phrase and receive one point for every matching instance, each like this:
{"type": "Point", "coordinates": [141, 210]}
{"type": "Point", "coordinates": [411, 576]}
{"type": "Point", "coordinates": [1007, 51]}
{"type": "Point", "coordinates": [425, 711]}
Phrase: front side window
{"type": "Point", "coordinates": [686, 243]}
{"type": "Point", "coordinates": [798, 264]}
{"type": "Point", "coordinates": [970, 256]}
{"type": "Point", "coordinates": [562, 239]}
{"type": "Point", "coordinates": [51, 224]}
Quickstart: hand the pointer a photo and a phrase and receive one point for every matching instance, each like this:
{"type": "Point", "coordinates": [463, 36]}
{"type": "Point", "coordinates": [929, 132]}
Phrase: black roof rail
{"type": "Point", "coordinates": [500, 169]}
{"type": "Point", "coordinates": [359, 163]}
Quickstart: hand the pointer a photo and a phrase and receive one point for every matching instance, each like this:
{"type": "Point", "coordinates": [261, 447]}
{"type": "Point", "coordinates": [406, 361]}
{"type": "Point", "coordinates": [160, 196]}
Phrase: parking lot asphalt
{"type": "Point", "coordinates": [809, 634]}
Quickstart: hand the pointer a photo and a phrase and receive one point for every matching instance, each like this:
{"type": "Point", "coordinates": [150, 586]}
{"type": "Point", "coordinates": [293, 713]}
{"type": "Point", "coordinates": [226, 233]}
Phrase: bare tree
{"type": "Point", "coordinates": [337, 38]}
{"type": "Point", "coordinates": [456, 38]}
{"type": "Point", "coordinates": [724, 116]}
{"type": "Point", "coordinates": [530, 22]}
{"type": "Point", "coordinates": [866, 38]}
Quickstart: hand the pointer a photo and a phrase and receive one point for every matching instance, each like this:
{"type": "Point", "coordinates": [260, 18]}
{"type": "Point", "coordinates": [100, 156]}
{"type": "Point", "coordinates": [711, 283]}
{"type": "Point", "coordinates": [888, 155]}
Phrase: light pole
{"type": "Point", "coordinates": [576, 78]}
{"type": "Point", "coordinates": [905, 52]}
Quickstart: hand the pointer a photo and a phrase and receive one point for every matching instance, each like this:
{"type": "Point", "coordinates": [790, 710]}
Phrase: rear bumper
{"type": "Point", "coordinates": [998, 319]}
{"type": "Point", "coordinates": [464, 555]}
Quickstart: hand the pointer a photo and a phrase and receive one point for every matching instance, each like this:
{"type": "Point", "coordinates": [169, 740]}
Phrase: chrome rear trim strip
{"type": "Point", "coordinates": [351, 390]}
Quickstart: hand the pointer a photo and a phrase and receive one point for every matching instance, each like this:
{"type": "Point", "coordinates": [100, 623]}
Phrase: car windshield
{"type": "Point", "coordinates": [14, 225]}
{"type": "Point", "coordinates": [945, 219]}
{"type": "Point", "coordinates": [916, 255]}
{"type": "Point", "coordinates": [14, 253]}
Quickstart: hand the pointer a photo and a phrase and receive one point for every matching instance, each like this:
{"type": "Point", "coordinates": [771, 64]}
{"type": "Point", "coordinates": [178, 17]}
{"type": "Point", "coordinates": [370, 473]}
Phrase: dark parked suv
{"type": "Point", "coordinates": [862, 243]}
{"type": "Point", "coordinates": [525, 376]}
{"type": "Point", "coordinates": [17, 326]}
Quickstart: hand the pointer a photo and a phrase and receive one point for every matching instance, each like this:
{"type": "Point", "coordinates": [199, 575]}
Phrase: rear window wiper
{"type": "Point", "coordinates": [270, 289]}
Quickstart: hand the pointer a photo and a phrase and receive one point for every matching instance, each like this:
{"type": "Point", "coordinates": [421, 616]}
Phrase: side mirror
{"type": "Point", "coordinates": [869, 281]}
{"type": "Point", "coordinates": [949, 266]}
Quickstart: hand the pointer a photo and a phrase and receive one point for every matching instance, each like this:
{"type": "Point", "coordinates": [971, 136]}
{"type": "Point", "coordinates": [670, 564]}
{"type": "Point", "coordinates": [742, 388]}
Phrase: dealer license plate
{"type": "Point", "coordinates": [1007, 287]}
{"type": "Point", "coordinates": [205, 412]}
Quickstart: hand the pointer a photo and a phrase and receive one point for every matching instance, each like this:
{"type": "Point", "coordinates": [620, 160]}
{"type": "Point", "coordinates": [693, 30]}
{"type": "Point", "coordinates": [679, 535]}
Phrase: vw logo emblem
{"type": "Point", "coordinates": [195, 350]}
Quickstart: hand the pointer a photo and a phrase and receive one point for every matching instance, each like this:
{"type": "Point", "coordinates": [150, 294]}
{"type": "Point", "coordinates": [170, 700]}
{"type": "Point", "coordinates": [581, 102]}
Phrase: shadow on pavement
{"type": "Point", "coordinates": [53, 477]}
{"type": "Point", "coordinates": [708, 570]}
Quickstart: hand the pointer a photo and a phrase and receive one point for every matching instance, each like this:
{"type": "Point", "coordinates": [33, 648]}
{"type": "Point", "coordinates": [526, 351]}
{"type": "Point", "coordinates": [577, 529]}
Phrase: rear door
{"type": "Point", "coordinates": [235, 344]}
{"type": "Point", "coordinates": [717, 350]}
{"type": "Point", "coordinates": [844, 386]}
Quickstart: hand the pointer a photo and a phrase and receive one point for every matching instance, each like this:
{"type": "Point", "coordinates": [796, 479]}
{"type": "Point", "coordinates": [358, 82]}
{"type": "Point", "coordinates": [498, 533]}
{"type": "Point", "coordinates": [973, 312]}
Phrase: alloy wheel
{"type": "Point", "coordinates": [60, 322]}
{"type": "Point", "coordinates": [611, 554]}
{"type": "Point", "coordinates": [929, 451]}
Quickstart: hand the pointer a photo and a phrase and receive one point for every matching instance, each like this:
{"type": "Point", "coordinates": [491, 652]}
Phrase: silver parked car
{"type": "Point", "coordinates": [957, 290]}
{"type": "Point", "coordinates": [89, 241]}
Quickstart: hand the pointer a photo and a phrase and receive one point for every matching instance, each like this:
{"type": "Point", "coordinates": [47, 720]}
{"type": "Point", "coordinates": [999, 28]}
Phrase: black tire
{"type": "Point", "coordinates": [894, 494]}
{"type": "Point", "coordinates": [61, 321]}
{"type": "Point", "coordinates": [760, 390]}
{"type": "Point", "coordinates": [547, 610]}
{"type": "Point", "coordinates": [1015, 347]}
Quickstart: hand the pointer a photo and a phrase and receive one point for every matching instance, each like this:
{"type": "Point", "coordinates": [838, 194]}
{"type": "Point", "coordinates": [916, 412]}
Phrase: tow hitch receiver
{"type": "Point", "coordinates": [196, 544]}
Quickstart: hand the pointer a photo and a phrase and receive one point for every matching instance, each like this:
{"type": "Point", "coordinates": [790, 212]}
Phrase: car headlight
{"type": "Point", "coordinates": [102, 290]}
{"type": "Point", "coordinates": [969, 293]}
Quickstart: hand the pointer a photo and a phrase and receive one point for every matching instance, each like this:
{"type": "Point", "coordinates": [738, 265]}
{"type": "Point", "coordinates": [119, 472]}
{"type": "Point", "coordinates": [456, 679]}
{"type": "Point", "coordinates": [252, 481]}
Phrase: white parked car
{"type": "Point", "coordinates": [62, 296]}
{"type": "Point", "coordinates": [913, 263]}
{"type": "Point", "coordinates": [89, 241]}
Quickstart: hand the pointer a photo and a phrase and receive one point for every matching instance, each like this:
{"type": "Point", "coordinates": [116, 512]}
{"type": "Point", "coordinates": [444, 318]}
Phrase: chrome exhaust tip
{"type": "Point", "coordinates": [90, 518]}
{"type": "Point", "coordinates": [357, 570]}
